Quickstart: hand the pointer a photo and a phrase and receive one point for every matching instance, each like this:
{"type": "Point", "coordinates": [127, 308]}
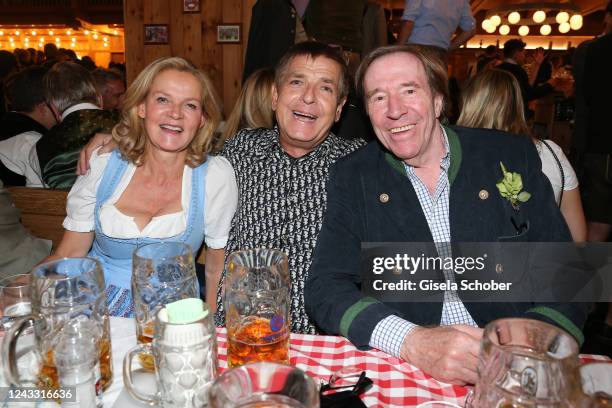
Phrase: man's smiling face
{"type": "Point", "coordinates": [402, 108]}
{"type": "Point", "coordinates": [306, 103]}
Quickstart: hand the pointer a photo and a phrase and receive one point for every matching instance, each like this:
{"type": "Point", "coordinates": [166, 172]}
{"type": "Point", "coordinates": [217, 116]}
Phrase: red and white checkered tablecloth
{"type": "Point", "coordinates": [396, 383]}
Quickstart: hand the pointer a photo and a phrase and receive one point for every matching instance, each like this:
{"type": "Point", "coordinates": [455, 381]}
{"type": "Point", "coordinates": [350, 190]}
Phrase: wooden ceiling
{"type": "Point", "coordinates": [586, 6]}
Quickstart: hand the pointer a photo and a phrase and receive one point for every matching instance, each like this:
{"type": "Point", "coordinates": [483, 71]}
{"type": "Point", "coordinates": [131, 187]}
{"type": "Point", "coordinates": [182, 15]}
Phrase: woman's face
{"type": "Point", "coordinates": [172, 111]}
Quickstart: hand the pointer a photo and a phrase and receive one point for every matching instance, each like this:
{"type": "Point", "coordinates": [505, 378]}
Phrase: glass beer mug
{"type": "Point", "coordinates": [257, 307]}
{"type": "Point", "coordinates": [525, 363]}
{"type": "Point", "coordinates": [67, 295]}
{"type": "Point", "coordinates": [162, 273]}
{"type": "Point", "coordinates": [185, 359]}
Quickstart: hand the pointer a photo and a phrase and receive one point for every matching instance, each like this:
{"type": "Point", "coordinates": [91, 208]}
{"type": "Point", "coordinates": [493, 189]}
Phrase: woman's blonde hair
{"type": "Point", "coordinates": [129, 133]}
{"type": "Point", "coordinates": [253, 108]}
{"type": "Point", "coordinates": [493, 100]}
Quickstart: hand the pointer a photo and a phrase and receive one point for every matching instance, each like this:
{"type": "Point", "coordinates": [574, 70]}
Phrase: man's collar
{"type": "Point", "coordinates": [78, 107]}
{"type": "Point", "coordinates": [511, 61]}
{"type": "Point", "coordinates": [454, 149]}
{"type": "Point", "coordinates": [271, 144]}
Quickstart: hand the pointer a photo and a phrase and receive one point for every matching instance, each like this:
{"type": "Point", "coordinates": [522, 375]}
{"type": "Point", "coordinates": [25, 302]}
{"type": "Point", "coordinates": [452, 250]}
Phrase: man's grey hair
{"type": "Point", "coordinates": [67, 84]}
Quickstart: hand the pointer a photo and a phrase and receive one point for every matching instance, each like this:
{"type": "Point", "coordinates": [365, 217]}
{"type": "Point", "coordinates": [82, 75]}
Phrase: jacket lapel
{"type": "Point", "coordinates": [402, 211]}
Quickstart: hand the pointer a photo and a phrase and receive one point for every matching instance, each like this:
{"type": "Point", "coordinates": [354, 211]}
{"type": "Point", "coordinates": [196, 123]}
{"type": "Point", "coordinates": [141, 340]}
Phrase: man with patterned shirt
{"type": "Point", "coordinates": [282, 172]}
{"type": "Point", "coordinates": [425, 182]}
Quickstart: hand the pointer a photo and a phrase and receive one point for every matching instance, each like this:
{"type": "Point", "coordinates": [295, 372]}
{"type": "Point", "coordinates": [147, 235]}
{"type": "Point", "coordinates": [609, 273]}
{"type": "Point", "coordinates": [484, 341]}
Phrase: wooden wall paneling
{"type": "Point", "coordinates": [156, 12]}
{"type": "Point", "coordinates": [192, 38]}
{"type": "Point", "coordinates": [232, 57]}
{"type": "Point", "coordinates": [176, 28]}
{"type": "Point", "coordinates": [133, 11]}
{"type": "Point", "coordinates": [212, 53]}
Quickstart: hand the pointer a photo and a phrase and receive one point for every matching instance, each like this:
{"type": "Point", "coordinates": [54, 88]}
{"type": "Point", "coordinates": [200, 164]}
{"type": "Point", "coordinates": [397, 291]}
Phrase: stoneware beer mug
{"type": "Point", "coordinates": [264, 385]}
{"type": "Point", "coordinates": [185, 360]}
{"type": "Point", "coordinates": [257, 307]}
{"type": "Point", "coordinates": [525, 363]}
{"type": "Point", "coordinates": [67, 295]}
{"type": "Point", "coordinates": [162, 273]}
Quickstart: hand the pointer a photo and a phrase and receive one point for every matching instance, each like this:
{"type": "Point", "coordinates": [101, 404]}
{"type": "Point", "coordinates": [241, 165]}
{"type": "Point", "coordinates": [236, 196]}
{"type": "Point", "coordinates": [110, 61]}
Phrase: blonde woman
{"type": "Point", "coordinates": [159, 184]}
{"type": "Point", "coordinates": [492, 99]}
{"type": "Point", "coordinates": [253, 108]}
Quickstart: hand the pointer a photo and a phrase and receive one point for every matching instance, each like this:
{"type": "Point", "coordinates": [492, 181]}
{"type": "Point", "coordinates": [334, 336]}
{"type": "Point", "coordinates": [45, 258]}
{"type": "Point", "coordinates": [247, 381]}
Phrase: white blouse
{"type": "Point", "coordinates": [221, 198]}
{"type": "Point", "coordinates": [551, 169]}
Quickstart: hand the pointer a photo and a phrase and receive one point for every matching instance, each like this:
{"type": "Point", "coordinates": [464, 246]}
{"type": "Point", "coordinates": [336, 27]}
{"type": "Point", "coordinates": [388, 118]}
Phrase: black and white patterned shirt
{"type": "Point", "coordinates": [281, 204]}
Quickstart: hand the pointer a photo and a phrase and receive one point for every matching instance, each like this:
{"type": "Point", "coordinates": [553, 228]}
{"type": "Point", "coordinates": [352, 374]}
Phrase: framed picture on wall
{"type": "Point", "coordinates": [229, 33]}
{"type": "Point", "coordinates": [156, 34]}
{"type": "Point", "coordinates": [191, 6]}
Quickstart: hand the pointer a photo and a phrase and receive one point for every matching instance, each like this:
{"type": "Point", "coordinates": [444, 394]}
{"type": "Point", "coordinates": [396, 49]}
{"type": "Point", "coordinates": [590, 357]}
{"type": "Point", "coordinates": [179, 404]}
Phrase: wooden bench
{"type": "Point", "coordinates": [42, 211]}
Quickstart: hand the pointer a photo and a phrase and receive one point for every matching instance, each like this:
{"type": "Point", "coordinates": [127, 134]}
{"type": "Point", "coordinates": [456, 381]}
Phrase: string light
{"type": "Point", "coordinates": [17, 32]}
{"type": "Point", "coordinates": [523, 30]}
{"type": "Point", "coordinates": [575, 22]}
{"type": "Point", "coordinates": [504, 29]}
{"type": "Point", "coordinates": [495, 20]}
{"type": "Point", "coordinates": [514, 17]}
{"type": "Point", "coordinates": [115, 32]}
{"type": "Point", "coordinates": [564, 28]}
{"type": "Point", "coordinates": [33, 32]}
{"type": "Point", "coordinates": [545, 29]}
{"type": "Point", "coordinates": [562, 17]}
{"type": "Point", "coordinates": [68, 32]}
{"type": "Point", "coordinates": [50, 32]}
{"type": "Point", "coordinates": [86, 32]}
{"type": "Point", "coordinates": [539, 16]}
{"type": "Point", "coordinates": [95, 36]}
{"type": "Point", "coordinates": [1, 32]}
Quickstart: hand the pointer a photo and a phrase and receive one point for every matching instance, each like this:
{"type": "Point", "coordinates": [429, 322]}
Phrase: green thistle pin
{"type": "Point", "coordinates": [510, 187]}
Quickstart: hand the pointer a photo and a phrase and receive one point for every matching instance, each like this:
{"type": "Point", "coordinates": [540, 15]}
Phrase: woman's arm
{"type": "Point", "coordinates": [73, 245]}
{"type": "Point", "coordinates": [571, 208]}
{"type": "Point", "coordinates": [214, 266]}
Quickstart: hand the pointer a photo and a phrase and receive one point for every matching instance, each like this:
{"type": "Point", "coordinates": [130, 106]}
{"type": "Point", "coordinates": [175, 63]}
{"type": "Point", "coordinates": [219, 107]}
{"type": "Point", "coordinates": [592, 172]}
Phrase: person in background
{"type": "Point", "coordinates": [19, 250]}
{"type": "Point", "coordinates": [340, 24]}
{"type": "Point", "coordinates": [275, 26]}
{"type": "Point", "coordinates": [110, 85]}
{"type": "Point", "coordinates": [492, 100]}
{"type": "Point", "coordinates": [598, 145]}
{"type": "Point", "coordinates": [434, 22]}
{"type": "Point", "coordinates": [73, 98]}
{"type": "Point", "coordinates": [514, 58]}
{"type": "Point", "coordinates": [159, 184]}
{"type": "Point", "coordinates": [8, 65]}
{"type": "Point", "coordinates": [253, 109]}
{"type": "Point", "coordinates": [28, 119]}
{"type": "Point", "coordinates": [424, 182]}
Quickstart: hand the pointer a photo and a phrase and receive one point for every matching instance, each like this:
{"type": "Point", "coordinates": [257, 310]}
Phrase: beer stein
{"type": "Point", "coordinates": [525, 363]}
{"type": "Point", "coordinates": [162, 273]}
{"type": "Point", "coordinates": [257, 307]}
{"type": "Point", "coordinates": [264, 385]}
{"type": "Point", "coordinates": [185, 360]}
{"type": "Point", "coordinates": [67, 295]}
{"type": "Point", "coordinates": [596, 385]}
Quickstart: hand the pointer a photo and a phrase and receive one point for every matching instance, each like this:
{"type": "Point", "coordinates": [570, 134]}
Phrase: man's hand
{"type": "Point", "coordinates": [447, 353]}
{"type": "Point", "coordinates": [104, 140]}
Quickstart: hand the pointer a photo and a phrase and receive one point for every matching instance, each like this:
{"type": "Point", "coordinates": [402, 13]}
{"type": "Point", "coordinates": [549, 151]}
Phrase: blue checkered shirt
{"type": "Point", "coordinates": [389, 333]}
